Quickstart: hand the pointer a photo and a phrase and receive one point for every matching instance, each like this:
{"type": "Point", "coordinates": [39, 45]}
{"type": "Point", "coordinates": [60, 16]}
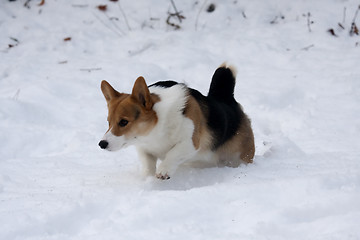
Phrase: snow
{"type": "Point", "coordinates": [300, 88]}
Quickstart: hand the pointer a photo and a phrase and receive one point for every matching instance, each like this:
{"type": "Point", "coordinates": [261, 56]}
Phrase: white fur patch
{"type": "Point", "coordinates": [171, 139]}
{"type": "Point", "coordinates": [115, 142]}
{"type": "Point", "coordinates": [172, 126]}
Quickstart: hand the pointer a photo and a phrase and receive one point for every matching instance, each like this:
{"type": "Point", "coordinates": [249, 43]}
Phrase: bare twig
{"type": "Point", "coordinates": [176, 26]}
{"type": "Point", "coordinates": [11, 45]}
{"type": "Point", "coordinates": [243, 14]}
{"type": "Point", "coordinates": [26, 4]}
{"type": "Point", "coordinates": [308, 47]}
{"type": "Point", "coordinates": [197, 16]}
{"type": "Point", "coordinates": [177, 13]}
{"type": "Point", "coordinates": [309, 22]}
{"type": "Point", "coordinates": [125, 18]}
{"type": "Point", "coordinates": [80, 5]}
{"type": "Point", "coordinates": [141, 50]}
{"type": "Point", "coordinates": [14, 39]}
{"type": "Point", "coordinates": [354, 29]}
{"type": "Point", "coordinates": [356, 13]}
{"type": "Point", "coordinates": [90, 69]}
{"type": "Point", "coordinates": [114, 24]}
{"type": "Point", "coordinates": [274, 20]}
{"type": "Point", "coordinates": [100, 20]}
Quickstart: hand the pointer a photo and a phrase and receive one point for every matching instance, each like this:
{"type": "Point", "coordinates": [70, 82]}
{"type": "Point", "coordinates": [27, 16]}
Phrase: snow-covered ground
{"type": "Point", "coordinates": [301, 89]}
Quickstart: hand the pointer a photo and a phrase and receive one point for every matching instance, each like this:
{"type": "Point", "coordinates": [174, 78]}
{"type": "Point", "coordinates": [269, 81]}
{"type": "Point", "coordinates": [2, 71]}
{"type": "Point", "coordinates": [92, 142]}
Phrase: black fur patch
{"type": "Point", "coordinates": [164, 84]}
{"type": "Point", "coordinates": [222, 85]}
{"type": "Point", "coordinates": [223, 119]}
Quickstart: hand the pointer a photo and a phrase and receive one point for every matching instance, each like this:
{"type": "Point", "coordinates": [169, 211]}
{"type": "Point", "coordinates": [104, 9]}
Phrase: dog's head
{"type": "Point", "coordinates": [130, 115]}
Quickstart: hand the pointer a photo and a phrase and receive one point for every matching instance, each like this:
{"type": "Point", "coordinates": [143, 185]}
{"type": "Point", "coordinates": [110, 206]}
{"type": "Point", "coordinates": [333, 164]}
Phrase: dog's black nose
{"type": "Point", "coordinates": [103, 144]}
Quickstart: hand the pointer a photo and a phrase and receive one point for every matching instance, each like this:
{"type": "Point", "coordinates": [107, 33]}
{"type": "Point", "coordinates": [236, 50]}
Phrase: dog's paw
{"type": "Point", "coordinates": [162, 176]}
{"type": "Point", "coordinates": [164, 171]}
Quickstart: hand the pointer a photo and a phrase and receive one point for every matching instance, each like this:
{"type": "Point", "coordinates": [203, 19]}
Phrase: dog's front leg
{"type": "Point", "coordinates": [177, 155]}
{"type": "Point", "coordinates": [148, 162]}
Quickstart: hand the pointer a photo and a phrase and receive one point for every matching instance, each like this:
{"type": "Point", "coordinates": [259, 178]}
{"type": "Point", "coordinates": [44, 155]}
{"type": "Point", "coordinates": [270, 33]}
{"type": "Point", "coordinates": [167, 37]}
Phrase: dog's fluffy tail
{"type": "Point", "coordinates": [223, 84]}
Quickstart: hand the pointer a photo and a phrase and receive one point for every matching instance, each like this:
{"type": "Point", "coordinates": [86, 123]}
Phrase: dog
{"type": "Point", "coordinates": [177, 124]}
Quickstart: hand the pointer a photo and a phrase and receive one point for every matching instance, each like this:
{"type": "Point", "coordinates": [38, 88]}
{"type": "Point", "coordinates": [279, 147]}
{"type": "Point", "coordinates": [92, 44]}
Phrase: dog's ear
{"type": "Point", "coordinates": [141, 93]}
{"type": "Point", "coordinates": [108, 91]}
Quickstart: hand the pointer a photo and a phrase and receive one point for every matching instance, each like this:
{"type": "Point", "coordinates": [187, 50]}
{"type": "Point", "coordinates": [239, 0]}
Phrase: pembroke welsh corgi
{"type": "Point", "coordinates": [177, 124]}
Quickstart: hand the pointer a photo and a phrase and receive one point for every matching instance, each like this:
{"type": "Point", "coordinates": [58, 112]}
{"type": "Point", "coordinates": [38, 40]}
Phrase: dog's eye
{"type": "Point", "coordinates": [123, 122]}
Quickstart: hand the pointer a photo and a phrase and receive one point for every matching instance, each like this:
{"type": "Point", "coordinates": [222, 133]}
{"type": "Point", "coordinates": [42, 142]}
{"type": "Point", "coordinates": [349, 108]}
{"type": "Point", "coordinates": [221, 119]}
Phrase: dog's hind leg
{"type": "Point", "coordinates": [240, 149]}
{"type": "Point", "coordinates": [247, 147]}
{"type": "Point", "coordinates": [248, 156]}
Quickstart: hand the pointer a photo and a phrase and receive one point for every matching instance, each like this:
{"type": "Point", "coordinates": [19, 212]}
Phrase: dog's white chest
{"type": "Point", "coordinates": [172, 126]}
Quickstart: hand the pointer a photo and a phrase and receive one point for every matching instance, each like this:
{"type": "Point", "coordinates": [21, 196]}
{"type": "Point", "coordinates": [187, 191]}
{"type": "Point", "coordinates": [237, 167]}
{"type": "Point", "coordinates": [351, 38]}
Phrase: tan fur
{"type": "Point", "coordinates": [136, 108]}
{"type": "Point", "coordinates": [201, 137]}
{"type": "Point", "coordinates": [239, 148]}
